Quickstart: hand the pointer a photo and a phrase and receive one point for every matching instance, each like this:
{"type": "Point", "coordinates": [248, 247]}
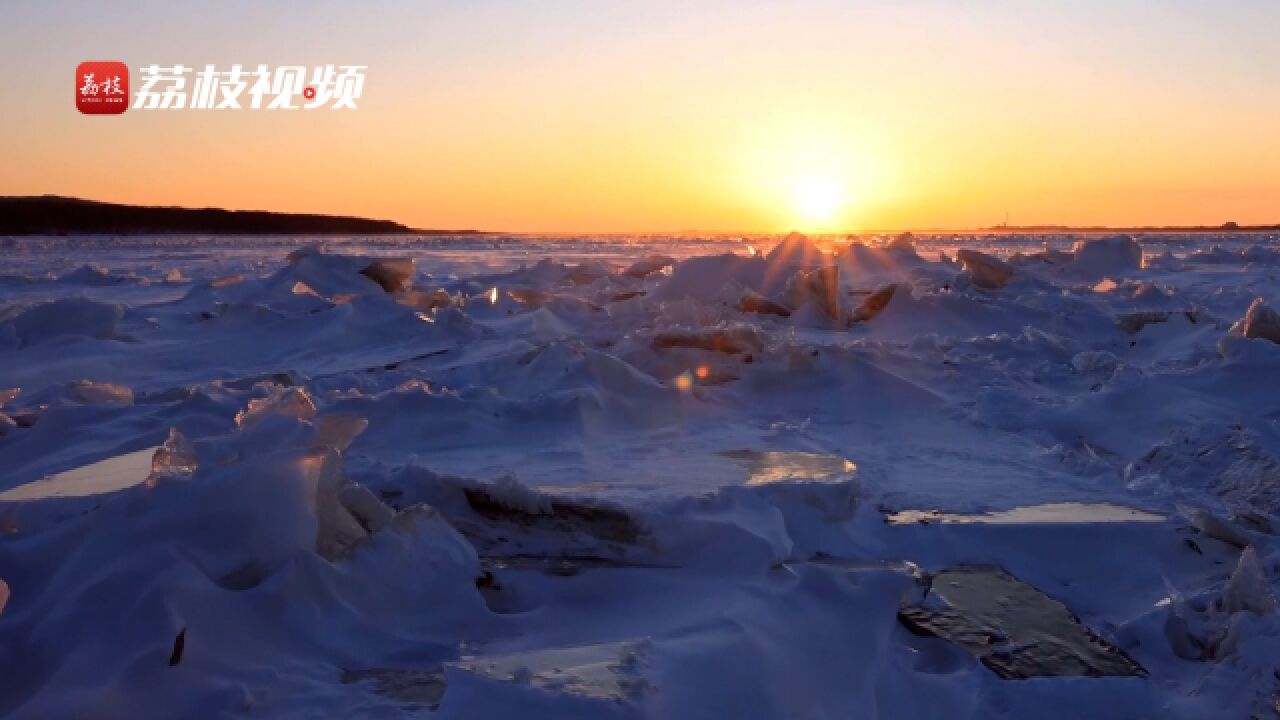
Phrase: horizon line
{"type": "Point", "coordinates": [1036, 228]}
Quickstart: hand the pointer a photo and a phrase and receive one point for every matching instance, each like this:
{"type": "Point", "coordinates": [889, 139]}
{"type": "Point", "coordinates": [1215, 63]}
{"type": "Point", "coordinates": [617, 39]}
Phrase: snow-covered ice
{"type": "Point", "coordinates": [640, 477]}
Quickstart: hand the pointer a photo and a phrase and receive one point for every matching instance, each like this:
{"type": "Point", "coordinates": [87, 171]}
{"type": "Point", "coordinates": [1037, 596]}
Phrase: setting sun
{"type": "Point", "coordinates": [818, 201]}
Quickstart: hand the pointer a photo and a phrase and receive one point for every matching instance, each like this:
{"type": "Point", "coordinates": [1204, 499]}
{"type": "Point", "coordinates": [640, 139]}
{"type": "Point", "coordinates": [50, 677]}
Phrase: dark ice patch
{"type": "Point", "coordinates": [565, 516]}
{"type": "Point", "coordinates": [1012, 628]}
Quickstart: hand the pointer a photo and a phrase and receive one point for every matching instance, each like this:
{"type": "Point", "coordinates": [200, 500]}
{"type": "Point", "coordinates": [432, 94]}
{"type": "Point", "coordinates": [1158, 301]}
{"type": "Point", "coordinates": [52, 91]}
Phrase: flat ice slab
{"type": "Point", "coordinates": [1066, 513]}
{"type": "Point", "coordinates": [99, 478]}
{"type": "Point", "coordinates": [1013, 628]}
{"type": "Point", "coordinates": [772, 466]}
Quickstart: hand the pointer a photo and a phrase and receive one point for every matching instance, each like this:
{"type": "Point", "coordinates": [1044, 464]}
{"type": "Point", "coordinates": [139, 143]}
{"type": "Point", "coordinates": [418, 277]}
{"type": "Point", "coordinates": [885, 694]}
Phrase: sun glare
{"type": "Point", "coordinates": [818, 201]}
{"type": "Point", "coordinates": [800, 173]}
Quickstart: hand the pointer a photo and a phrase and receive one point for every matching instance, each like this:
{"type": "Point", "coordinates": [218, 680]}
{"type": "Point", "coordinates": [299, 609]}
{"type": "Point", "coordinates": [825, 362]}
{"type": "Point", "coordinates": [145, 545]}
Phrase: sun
{"type": "Point", "coordinates": [817, 201]}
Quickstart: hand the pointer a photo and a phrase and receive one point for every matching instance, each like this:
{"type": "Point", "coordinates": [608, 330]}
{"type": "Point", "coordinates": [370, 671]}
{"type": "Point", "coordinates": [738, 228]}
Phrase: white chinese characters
{"type": "Point", "coordinates": [108, 86]}
{"type": "Point", "coordinates": [286, 87]}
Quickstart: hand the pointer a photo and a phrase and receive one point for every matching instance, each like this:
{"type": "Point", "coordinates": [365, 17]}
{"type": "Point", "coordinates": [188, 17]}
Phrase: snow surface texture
{"type": "Point", "coordinates": [639, 477]}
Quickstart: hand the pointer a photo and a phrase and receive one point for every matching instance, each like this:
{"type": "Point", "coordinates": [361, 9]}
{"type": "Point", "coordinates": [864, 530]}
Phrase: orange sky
{"type": "Point", "coordinates": [649, 116]}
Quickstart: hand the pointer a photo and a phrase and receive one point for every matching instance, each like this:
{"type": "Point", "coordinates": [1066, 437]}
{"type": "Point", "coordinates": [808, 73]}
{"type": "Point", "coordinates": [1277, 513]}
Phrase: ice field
{"type": "Point", "coordinates": [540, 477]}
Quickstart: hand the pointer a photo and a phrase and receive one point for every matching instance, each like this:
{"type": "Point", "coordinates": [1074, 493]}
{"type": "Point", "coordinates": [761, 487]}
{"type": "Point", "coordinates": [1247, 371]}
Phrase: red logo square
{"type": "Point", "coordinates": [102, 88]}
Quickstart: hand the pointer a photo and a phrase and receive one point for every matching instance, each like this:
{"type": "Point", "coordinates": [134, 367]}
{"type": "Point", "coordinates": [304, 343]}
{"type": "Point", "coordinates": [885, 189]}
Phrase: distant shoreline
{"type": "Point", "coordinates": [57, 215]}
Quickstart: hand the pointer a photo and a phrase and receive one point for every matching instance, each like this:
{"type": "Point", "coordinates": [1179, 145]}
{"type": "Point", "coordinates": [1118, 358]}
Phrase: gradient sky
{"type": "Point", "coordinates": [599, 116]}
